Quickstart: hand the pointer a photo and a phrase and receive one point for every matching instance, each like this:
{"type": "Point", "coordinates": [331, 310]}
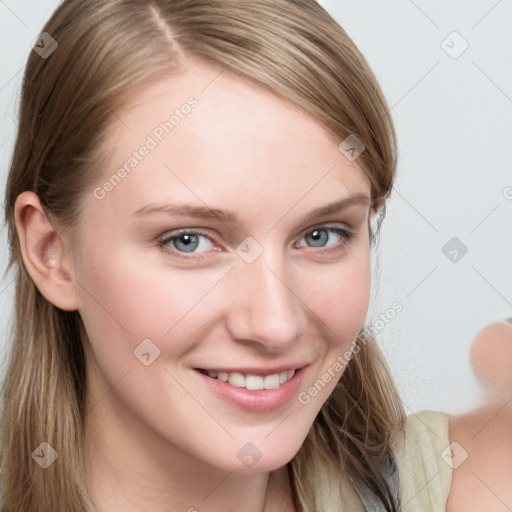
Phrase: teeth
{"type": "Point", "coordinates": [237, 380]}
{"type": "Point", "coordinates": [252, 382]}
{"type": "Point", "coordinates": [269, 382]}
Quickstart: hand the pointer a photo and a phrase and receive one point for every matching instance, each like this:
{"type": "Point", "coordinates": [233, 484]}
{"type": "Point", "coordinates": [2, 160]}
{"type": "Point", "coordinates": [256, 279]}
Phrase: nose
{"type": "Point", "coordinates": [266, 308]}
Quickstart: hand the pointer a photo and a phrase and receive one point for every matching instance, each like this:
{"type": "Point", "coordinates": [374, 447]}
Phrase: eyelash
{"type": "Point", "coordinates": [346, 238]}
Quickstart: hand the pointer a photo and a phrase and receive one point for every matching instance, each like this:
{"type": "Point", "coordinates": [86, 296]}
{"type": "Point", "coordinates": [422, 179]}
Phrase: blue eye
{"type": "Point", "coordinates": [320, 236]}
{"type": "Point", "coordinates": [185, 243]}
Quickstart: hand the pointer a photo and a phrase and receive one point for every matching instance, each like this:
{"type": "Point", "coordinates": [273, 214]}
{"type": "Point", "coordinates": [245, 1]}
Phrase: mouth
{"type": "Point", "coordinates": [250, 381]}
{"type": "Point", "coordinates": [254, 389]}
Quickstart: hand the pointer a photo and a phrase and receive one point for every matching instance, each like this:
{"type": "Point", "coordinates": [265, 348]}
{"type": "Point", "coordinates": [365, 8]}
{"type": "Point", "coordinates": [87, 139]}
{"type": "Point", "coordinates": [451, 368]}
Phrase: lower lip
{"type": "Point", "coordinates": [263, 400]}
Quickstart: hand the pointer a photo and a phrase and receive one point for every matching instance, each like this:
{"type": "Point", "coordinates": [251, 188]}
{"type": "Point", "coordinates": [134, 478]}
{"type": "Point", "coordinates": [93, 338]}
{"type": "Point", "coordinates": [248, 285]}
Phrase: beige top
{"type": "Point", "coordinates": [423, 462]}
{"type": "Point", "coordinates": [422, 457]}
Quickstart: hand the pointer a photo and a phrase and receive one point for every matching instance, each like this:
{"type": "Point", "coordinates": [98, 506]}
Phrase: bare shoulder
{"type": "Point", "coordinates": [482, 462]}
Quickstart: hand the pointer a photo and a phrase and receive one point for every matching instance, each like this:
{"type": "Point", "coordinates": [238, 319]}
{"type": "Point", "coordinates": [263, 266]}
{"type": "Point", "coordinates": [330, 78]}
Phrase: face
{"type": "Point", "coordinates": [208, 253]}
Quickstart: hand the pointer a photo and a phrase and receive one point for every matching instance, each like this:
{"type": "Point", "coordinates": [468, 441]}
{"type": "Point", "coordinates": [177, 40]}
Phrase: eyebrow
{"type": "Point", "coordinates": [229, 217]}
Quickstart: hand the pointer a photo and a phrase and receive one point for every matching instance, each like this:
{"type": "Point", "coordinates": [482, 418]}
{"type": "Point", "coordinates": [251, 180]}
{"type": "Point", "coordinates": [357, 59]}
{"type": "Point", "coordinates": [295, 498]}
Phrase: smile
{"type": "Point", "coordinates": [251, 382]}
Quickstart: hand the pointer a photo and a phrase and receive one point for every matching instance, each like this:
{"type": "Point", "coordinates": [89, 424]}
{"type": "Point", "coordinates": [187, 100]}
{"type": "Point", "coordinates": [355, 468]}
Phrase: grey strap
{"type": "Point", "coordinates": [368, 497]}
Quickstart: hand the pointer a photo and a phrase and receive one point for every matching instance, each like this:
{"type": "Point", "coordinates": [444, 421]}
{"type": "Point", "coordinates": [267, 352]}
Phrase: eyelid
{"type": "Point", "coordinates": [199, 231]}
{"type": "Point", "coordinates": [333, 224]}
{"type": "Point", "coordinates": [346, 233]}
{"type": "Point", "coordinates": [175, 233]}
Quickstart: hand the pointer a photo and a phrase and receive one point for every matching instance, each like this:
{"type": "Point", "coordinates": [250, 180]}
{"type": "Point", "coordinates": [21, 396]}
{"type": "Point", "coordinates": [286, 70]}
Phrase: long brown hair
{"type": "Point", "coordinates": [107, 50]}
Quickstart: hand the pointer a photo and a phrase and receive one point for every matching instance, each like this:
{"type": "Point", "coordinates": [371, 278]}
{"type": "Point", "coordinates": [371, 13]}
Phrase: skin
{"type": "Point", "coordinates": [158, 439]}
{"type": "Point", "coordinates": [482, 480]}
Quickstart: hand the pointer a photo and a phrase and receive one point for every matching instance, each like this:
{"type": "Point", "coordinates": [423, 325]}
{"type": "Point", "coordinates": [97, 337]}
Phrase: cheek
{"type": "Point", "coordinates": [341, 303]}
{"type": "Point", "coordinates": [341, 297]}
{"type": "Point", "coordinates": [127, 298]}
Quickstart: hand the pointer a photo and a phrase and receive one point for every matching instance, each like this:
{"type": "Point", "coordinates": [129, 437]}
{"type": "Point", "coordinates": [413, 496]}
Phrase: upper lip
{"type": "Point", "coordinates": [252, 370]}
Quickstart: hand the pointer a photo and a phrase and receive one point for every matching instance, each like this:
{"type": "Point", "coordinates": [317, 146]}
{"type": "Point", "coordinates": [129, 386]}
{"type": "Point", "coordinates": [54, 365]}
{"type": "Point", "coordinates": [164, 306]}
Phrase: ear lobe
{"type": "Point", "coordinates": [44, 254]}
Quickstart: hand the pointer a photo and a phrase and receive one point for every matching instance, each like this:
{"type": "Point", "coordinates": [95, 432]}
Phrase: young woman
{"type": "Point", "coordinates": [193, 198]}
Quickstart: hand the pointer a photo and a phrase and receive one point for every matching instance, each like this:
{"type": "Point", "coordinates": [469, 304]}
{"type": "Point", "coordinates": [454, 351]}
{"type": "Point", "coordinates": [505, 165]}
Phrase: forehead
{"type": "Point", "coordinates": [217, 137]}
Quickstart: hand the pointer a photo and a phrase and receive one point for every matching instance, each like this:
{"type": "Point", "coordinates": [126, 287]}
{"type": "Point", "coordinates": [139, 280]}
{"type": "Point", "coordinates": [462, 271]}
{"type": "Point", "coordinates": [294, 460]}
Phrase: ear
{"type": "Point", "coordinates": [44, 253]}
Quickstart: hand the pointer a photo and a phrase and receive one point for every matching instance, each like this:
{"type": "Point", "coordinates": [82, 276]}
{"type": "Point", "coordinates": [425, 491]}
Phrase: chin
{"type": "Point", "coordinates": [260, 457]}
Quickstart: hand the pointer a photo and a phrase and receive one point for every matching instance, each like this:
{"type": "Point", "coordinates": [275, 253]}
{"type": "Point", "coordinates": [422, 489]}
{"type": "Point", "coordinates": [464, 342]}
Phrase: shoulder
{"type": "Point", "coordinates": [422, 454]}
{"type": "Point", "coordinates": [482, 460]}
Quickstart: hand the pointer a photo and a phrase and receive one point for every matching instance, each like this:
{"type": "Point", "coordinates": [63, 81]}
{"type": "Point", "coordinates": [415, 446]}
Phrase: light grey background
{"type": "Point", "coordinates": [453, 115]}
